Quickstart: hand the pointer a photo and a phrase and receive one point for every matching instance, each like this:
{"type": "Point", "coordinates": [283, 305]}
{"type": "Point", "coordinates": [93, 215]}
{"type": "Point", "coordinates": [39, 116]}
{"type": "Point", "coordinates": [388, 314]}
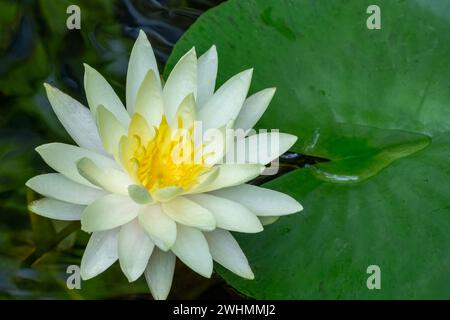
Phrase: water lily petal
{"type": "Point", "coordinates": [56, 209]}
{"type": "Point", "coordinates": [261, 201]}
{"type": "Point", "coordinates": [139, 194]}
{"type": "Point", "coordinates": [149, 100]}
{"type": "Point", "coordinates": [99, 92]}
{"type": "Point", "coordinates": [228, 214]}
{"type": "Point", "coordinates": [140, 129]}
{"type": "Point", "coordinates": [167, 193]}
{"type": "Point", "coordinates": [112, 180]}
{"type": "Point", "coordinates": [110, 130]}
{"type": "Point", "coordinates": [207, 73]}
{"type": "Point", "coordinates": [232, 175]}
{"type": "Point", "coordinates": [63, 158]}
{"type": "Point", "coordinates": [135, 248]}
{"type": "Point", "coordinates": [226, 103]}
{"type": "Point", "coordinates": [204, 180]}
{"type": "Point", "coordinates": [266, 220]}
{"type": "Point", "coordinates": [108, 212]}
{"type": "Point", "coordinates": [262, 147]}
{"type": "Point", "coordinates": [100, 253]}
{"type": "Point", "coordinates": [142, 60]}
{"type": "Point", "coordinates": [189, 213]}
{"type": "Point", "coordinates": [181, 82]}
{"type": "Point", "coordinates": [75, 118]}
{"type": "Point", "coordinates": [56, 186]}
{"type": "Point", "coordinates": [186, 114]}
{"type": "Point", "coordinates": [191, 248]}
{"type": "Point", "coordinates": [253, 108]}
{"type": "Point", "coordinates": [161, 229]}
{"type": "Point", "coordinates": [159, 273]}
{"type": "Point", "coordinates": [226, 251]}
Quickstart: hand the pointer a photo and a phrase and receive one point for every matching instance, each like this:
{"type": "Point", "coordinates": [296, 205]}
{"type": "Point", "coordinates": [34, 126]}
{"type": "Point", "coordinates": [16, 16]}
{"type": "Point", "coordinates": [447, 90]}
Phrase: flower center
{"type": "Point", "coordinates": [161, 157]}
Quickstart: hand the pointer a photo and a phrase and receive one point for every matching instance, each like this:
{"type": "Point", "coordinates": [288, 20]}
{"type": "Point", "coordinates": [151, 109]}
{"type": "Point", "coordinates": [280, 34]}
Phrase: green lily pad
{"type": "Point", "coordinates": [374, 102]}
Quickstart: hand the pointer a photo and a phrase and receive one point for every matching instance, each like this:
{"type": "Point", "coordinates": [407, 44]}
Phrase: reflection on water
{"type": "Point", "coordinates": [36, 46]}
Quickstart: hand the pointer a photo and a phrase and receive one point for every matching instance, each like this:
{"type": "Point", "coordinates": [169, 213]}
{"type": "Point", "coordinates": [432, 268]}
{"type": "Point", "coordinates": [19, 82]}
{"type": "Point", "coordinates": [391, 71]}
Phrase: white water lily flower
{"type": "Point", "coordinates": [142, 207]}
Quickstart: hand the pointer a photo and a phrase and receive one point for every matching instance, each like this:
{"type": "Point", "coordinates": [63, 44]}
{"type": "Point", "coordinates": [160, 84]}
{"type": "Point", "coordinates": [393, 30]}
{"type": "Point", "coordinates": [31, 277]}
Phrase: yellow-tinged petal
{"type": "Point", "coordinates": [99, 92]}
{"type": "Point", "coordinates": [186, 114]}
{"type": "Point", "coordinates": [149, 101]}
{"type": "Point", "coordinates": [110, 130]}
{"type": "Point", "coordinates": [106, 178]}
{"type": "Point", "coordinates": [181, 82]}
{"type": "Point", "coordinates": [142, 61]}
{"type": "Point", "coordinates": [140, 131]}
{"type": "Point", "coordinates": [205, 180]}
{"type": "Point", "coordinates": [167, 193]}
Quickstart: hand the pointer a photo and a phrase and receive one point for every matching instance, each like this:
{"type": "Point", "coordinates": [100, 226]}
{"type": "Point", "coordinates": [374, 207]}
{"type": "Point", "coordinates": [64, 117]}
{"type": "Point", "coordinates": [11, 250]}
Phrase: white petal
{"type": "Point", "coordinates": [135, 248]}
{"type": "Point", "coordinates": [159, 273]}
{"type": "Point", "coordinates": [56, 209]}
{"type": "Point", "coordinates": [99, 92]}
{"type": "Point", "coordinates": [161, 229]}
{"type": "Point", "coordinates": [56, 186]}
{"type": "Point", "coordinates": [228, 214]}
{"type": "Point", "coordinates": [142, 60]}
{"type": "Point", "coordinates": [226, 103]}
{"type": "Point", "coordinates": [181, 82]}
{"type": "Point", "coordinates": [110, 130]}
{"type": "Point", "coordinates": [232, 175]}
{"type": "Point", "coordinates": [149, 101]}
{"type": "Point", "coordinates": [63, 158]}
{"type": "Point", "coordinates": [226, 251]}
{"type": "Point", "coordinates": [207, 73]}
{"type": "Point", "coordinates": [262, 147]}
{"type": "Point", "coordinates": [108, 212]}
{"type": "Point", "coordinates": [191, 248]}
{"type": "Point", "coordinates": [261, 201]}
{"type": "Point", "coordinates": [75, 118]}
{"type": "Point", "coordinates": [189, 213]}
{"type": "Point", "coordinates": [112, 180]}
{"type": "Point", "coordinates": [100, 253]}
{"type": "Point", "coordinates": [253, 108]}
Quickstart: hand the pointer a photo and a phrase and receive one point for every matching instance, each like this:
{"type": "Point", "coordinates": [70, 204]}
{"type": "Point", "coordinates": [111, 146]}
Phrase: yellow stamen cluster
{"type": "Point", "coordinates": [160, 157]}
